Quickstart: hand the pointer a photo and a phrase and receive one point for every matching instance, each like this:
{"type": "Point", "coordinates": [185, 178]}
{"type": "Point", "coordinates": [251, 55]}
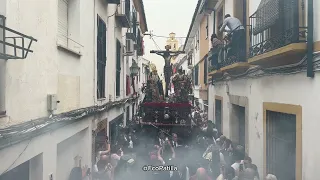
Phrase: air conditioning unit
{"type": "Point", "coordinates": [129, 51]}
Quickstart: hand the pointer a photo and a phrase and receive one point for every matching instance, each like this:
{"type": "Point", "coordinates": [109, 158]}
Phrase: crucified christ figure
{"type": "Point", "coordinates": [167, 55]}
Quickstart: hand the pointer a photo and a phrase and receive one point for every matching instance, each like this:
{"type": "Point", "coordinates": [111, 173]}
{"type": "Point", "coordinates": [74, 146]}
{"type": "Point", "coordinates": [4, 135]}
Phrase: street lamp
{"type": "Point", "coordinates": [134, 69]}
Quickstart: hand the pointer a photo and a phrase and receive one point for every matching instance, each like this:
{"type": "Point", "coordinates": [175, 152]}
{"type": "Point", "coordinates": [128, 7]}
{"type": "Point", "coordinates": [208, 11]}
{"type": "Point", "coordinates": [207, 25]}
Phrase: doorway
{"type": "Point", "coordinates": [115, 127]}
{"type": "Point", "coordinates": [20, 172]}
{"type": "Point", "coordinates": [238, 124]}
{"type": "Point", "coordinates": [281, 144]}
{"type": "Point", "coordinates": [218, 115]}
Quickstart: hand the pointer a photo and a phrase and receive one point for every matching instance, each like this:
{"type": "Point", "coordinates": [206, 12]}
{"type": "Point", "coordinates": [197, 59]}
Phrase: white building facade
{"type": "Point", "coordinates": [267, 100]}
{"type": "Point", "coordinates": [74, 86]}
{"type": "Point", "coordinates": [197, 46]}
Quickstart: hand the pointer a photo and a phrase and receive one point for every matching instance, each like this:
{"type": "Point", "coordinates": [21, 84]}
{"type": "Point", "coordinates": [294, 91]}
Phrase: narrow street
{"type": "Point", "coordinates": [159, 89]}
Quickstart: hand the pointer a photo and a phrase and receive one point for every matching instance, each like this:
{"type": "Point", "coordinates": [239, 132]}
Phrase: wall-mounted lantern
{"type": "Point", "coordinates": [134, 69]}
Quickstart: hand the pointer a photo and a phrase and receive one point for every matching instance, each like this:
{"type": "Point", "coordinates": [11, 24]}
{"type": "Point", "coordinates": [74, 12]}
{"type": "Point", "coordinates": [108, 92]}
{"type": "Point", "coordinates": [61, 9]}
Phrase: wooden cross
{"type": "Point", "coordinates": [167, 55]}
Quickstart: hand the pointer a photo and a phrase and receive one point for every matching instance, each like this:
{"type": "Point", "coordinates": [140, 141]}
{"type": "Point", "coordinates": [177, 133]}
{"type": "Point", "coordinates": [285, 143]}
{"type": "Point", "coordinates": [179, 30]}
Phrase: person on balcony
{"type": "Point", "coordinates": [216, 46]}
{"type": "Point", "coordinates": [237, 30]}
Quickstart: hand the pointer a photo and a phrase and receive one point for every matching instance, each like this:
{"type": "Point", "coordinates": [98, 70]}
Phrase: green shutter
{"type": "Point", "coordinates": [196, 74]}
{"type": "Point", "coordinates": [205, 70]}
{"type": "Point", "coordinates": [101, 57]}
{"type": "Point", "coordinates": [118, 68]}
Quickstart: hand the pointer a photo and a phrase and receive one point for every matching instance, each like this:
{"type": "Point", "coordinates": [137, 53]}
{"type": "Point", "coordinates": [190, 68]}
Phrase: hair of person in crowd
{"type": "Point", "coordinates": [201, 174]}
{"type": "Point", "coordinates": [223, 138]}
{"type": "Point", "coordinates": [271, 177]}
{"type": "Point", "coordinates": [227, 143]}
{"type": "Point", "coordinates": [248, 159]}
{"type": "Point", "coordinates": [227, 15]}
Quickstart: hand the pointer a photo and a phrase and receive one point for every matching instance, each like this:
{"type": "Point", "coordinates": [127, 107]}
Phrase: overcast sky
{"type": "Point", "coordinates": [164, 17]}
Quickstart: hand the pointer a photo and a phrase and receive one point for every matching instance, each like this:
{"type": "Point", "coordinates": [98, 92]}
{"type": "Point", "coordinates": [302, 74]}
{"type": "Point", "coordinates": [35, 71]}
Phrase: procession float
{"type": "Point", "coordinates": [161, 112]}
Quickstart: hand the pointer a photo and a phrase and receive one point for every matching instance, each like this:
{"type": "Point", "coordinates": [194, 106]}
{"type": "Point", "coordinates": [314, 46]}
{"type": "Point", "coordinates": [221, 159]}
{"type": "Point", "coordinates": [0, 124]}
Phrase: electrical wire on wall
{"type": "Point", "coordinates": [25, 148]}
{"type": "Point", "coordinates": [25, 131]}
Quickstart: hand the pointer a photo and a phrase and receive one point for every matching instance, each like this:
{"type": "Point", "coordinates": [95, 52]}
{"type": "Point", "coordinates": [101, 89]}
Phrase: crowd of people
{"type": "Point", "coordinates": [209, 155]}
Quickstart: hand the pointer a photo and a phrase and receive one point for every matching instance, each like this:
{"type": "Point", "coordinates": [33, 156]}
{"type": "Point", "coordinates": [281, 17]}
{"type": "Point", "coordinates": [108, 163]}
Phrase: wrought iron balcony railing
{"type": "Point", "coordinates": [232, 50]}
{"type": "Point", "coordinates": [16, 45]}
{"type": "Point", "coordinates": [274, 25]}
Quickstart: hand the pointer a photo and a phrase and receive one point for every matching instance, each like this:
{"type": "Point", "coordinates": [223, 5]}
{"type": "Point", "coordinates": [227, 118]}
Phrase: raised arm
{"type": "Point", "coordinates": [223, 27]}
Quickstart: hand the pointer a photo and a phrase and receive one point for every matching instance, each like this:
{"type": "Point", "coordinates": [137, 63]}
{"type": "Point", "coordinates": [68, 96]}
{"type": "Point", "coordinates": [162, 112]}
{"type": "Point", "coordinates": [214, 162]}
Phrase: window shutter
{"type": "Point", "coordinates": [205, 70]}
{"type": "Point", "coordinates": [118, 68]}
{"type": "Point", "coordinates": [63, 22]}
{"type": "Point", "coordinates": [196, 80]}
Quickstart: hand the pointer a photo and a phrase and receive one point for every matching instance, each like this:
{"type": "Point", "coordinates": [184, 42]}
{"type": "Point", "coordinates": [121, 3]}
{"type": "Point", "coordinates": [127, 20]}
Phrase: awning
{"type": "Point", "coordinates": [267, 14]}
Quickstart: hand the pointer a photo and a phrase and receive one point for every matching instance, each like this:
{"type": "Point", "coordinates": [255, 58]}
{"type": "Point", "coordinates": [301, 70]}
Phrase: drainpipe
{"type": "Point", "coordinates": [310, 72]}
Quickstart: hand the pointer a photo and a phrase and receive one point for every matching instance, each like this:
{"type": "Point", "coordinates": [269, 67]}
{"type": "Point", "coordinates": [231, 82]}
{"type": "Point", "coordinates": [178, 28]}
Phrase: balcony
{"type": "Point", "coordinates": [14, 46]}
{"type": "Point", "coordinates": [228, 57]}
{"type": "Point", "coordinates": [123, 13]}
{"type": "Point", "coordinates": [277, 34]}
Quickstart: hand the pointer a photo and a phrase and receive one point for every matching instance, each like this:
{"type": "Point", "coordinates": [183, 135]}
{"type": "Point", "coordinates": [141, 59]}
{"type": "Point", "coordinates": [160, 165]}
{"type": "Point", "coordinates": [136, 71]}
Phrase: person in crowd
{"type": "Point", "coordinates": [271, 177]}
{"type": "Point", "coordinates": [166, 152]}
{"type": "Point", "coordinates": [248, 164]}
{"type": "Point", "coordinates": [175, 142]}
{"type": "Point", "coordinates": [130, 142]}
{"type": "Point", "coordinates": [222, 140]}
{"type": "Point", "coordinates": [107, 151]}
{"type": "Point", "coordinates": [235, 26]}
{"type": "Point", "coordinates": [116, 153]}
{"type": "Point", "coordinates": [102, 169]}
{"type": "Point", "coordinates": [160, 139]}
{"type": "Point", "coordinates": [227, 173]}
{"type": "Point", "coordinates": [227, 151]}
{"type": "Point", "coordinates": [201, 174]}
{"type": "Point", "coordinates": [257, 176]}
{"type": "Point", "coordinates": [238, 165]}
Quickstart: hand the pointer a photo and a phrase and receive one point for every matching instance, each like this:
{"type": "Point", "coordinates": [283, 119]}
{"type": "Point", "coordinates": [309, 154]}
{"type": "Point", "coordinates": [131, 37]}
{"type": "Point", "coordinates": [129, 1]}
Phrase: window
{"type": "Point", "coordinates": [133, 107]}
{"type": "Point", "coordinates": [128, 114]}
{"type": "Point", "coordinates": [101, 57]}
{"type": "Point", "coordinates": [196, 75]}
{"type": "Point", "coordinates": [134, 24]}
{"type": "Point", "coordinates": [198, 39]}
{"type": "Point", "coordinates": [118, 68]}
{"type": "Point", "coordinates": [218, 114]}
{"type": "Point", "coordinates": [207, 28]}
{"type": "Point", "coordinates": [139, 75]}
{"type": "Point", "coordinates": [205, 64]}
{"type": "Point", "coordinates": [69, 24]}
